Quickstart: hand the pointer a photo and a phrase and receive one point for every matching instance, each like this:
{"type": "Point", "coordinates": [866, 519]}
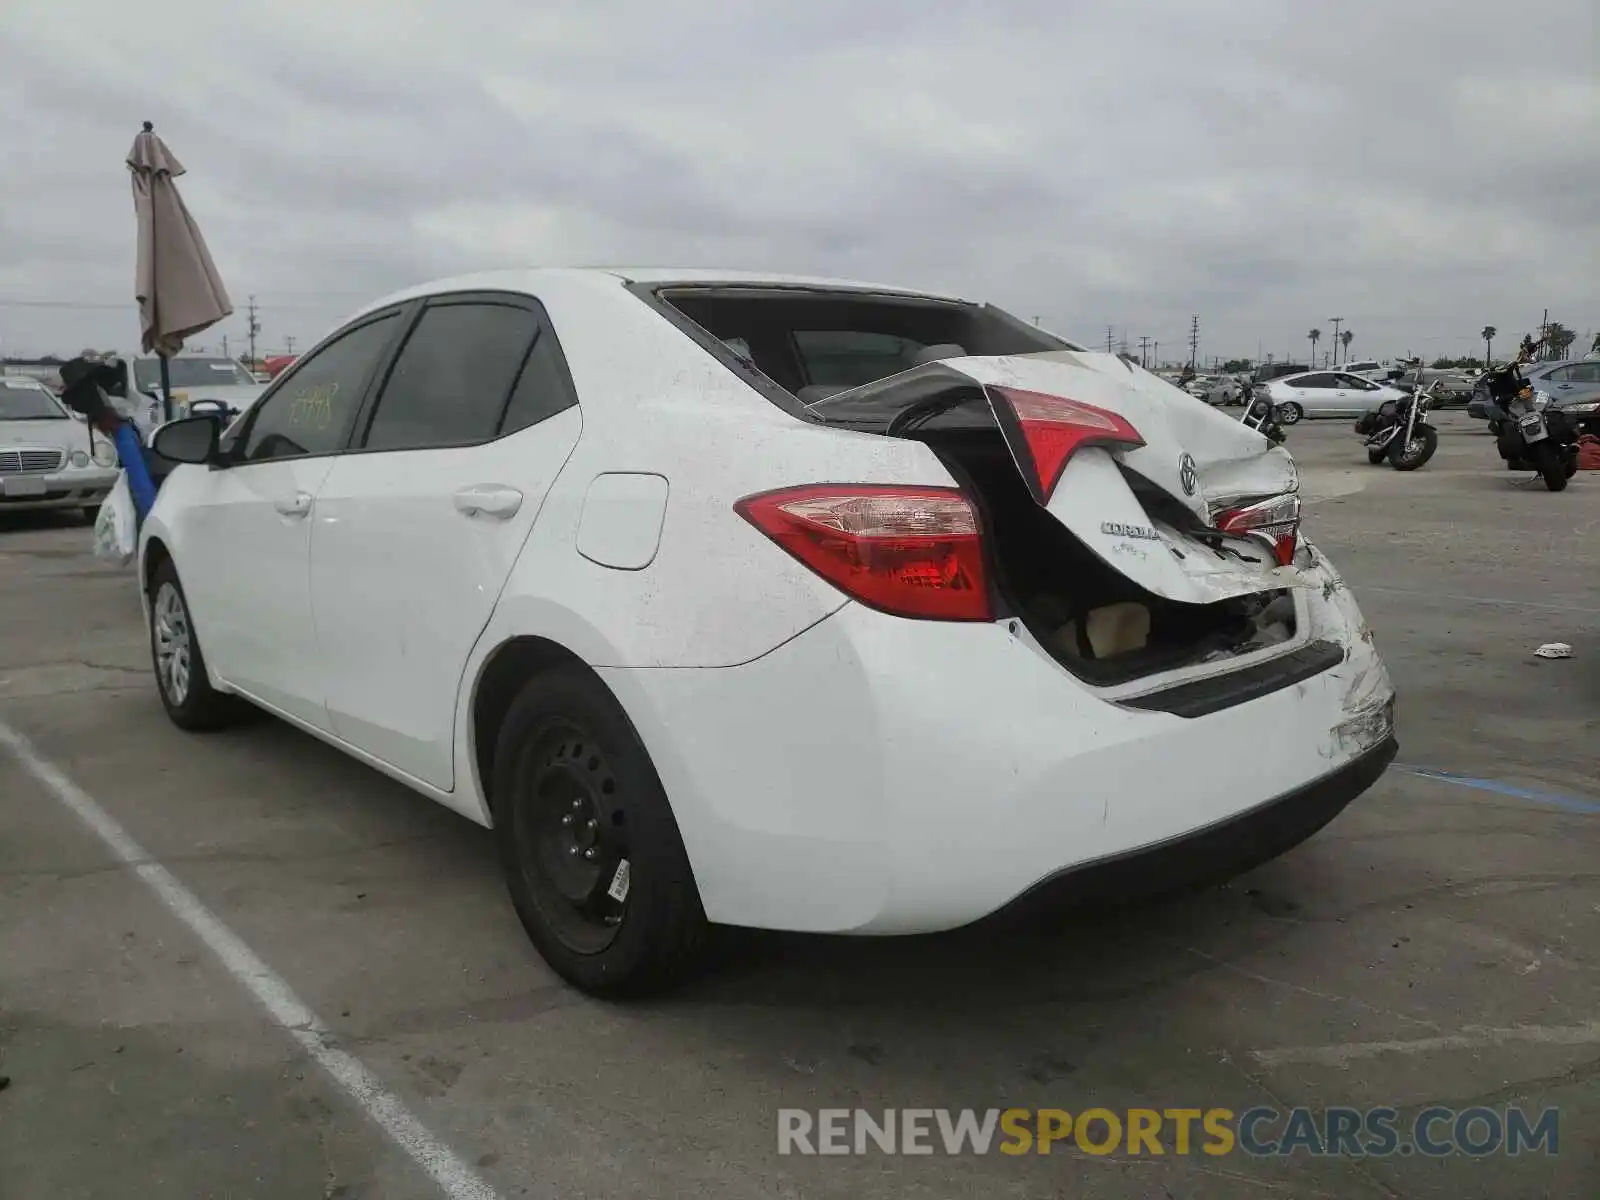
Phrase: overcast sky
{"type": "Point", "coordinates": [1419, 170]}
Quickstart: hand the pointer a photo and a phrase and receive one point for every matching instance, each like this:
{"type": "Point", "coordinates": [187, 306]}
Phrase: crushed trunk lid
{"type": "Point", "coordinates": [1142, 474]}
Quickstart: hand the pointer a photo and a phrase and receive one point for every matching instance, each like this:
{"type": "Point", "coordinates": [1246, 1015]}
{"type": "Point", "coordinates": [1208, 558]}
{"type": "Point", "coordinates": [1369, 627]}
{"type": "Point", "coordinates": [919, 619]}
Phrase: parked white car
{"type": "Point", "coordinates": [768, 601]}
{"type": "Point", "coordinates": [48, 460]}
{"type": "Point", "coordinates": [1314, 394]}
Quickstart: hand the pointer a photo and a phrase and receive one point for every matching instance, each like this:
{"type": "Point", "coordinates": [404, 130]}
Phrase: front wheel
{"type": "Point", "coordinates": [1290, 413]}
{"type": "Point", "coordinates": [181, 677]}
{"type": "Point", "coordinates": [1407, 454]}
{"type": "Point", "coordinates": [1377, 456]}
{"type": "Point", "coordinates": [1548, 460]}
{"type": "Point", "coordinates": [591, 851]}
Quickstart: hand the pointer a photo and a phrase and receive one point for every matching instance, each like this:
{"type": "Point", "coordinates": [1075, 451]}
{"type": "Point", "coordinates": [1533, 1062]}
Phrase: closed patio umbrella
{"type": "Point", "coordinates": [175, 281]}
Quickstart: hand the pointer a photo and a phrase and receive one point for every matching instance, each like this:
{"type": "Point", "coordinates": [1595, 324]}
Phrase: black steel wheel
{"type": "Point", "coordinates": [591, 852]}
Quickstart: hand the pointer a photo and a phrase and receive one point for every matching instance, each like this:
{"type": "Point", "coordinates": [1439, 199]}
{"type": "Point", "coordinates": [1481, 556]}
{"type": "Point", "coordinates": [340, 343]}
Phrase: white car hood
{"type": "Point", "coordinates": [50, 434]}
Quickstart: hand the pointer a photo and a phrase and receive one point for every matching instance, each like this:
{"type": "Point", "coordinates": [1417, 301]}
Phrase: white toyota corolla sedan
{"type": "Point", "coordinates": [768, 601]}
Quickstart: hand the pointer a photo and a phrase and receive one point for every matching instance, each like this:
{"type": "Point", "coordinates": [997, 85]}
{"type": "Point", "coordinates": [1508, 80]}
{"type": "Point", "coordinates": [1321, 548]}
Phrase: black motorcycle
{"type": "Point", "coordinates": [1533, 436]}
{"type": "Point", "coordinates": [1399, 431]}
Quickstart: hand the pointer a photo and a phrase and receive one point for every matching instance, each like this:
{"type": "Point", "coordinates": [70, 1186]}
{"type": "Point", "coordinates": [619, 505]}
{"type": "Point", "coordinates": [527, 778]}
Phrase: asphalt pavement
{"type": "Point", "coordinates": [243, 965]}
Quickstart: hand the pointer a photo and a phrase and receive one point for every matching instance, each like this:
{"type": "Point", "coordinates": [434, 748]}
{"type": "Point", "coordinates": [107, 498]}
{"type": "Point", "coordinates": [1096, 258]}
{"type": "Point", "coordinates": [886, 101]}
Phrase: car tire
{"type": "Point", "coordinates": [1290, 413]}
{"type": "Point", "coordinates": [1548, 461]}
{"type": "Point", "coordinates": [576, 803]}
{"type": "Point", "coordinates": [179, 663]}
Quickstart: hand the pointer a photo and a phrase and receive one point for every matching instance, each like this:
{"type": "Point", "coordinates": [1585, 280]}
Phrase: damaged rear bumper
{"type": "Point", "coordinates": [1213, 853]}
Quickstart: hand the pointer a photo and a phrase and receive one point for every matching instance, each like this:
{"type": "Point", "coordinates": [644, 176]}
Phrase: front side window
{"type": "Point", "coordinates": [846, 358]}
{"type": "Point", "coordinates": [450, 383]}
{"type": "Point", "coordinates": [312, 409]}
{"type": "Point", "coordinates": [1588, 372]}
{"type": "Point", "coordinates": [1318, 381]}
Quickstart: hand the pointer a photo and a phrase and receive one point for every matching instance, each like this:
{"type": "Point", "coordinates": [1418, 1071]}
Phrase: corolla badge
{"type": "Point", "coordinates": [1188, 474]}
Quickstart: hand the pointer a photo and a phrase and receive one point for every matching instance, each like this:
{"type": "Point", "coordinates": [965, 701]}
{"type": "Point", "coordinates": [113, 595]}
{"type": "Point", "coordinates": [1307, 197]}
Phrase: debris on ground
{"type": "Point", "coordinates": [1554, 650]}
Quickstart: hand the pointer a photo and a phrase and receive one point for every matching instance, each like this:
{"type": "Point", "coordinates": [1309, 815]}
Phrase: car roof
{"type": "Point", "coordinates": [531, 280]}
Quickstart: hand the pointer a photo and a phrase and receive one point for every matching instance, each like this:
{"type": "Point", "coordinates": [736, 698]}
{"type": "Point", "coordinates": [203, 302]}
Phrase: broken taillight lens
{"type": "Point", "coordinates": [1053, 429]}
{"type": "Point", "coordinates": [910, 551]}
{"type": "Point", "coordinates": [1275, 521]}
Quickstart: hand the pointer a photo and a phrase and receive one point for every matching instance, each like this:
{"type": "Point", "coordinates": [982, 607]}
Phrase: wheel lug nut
{"type": "Point", "coordinates": [573, 851]}
{"type": "Point", "coordinates": [567, 820]}
{"type": "Point", "coordinates": [577, 804]}
{"type": "Point", "coordinates": [593, 824]}
{"type": "Point", "coordinates": [589, 854]}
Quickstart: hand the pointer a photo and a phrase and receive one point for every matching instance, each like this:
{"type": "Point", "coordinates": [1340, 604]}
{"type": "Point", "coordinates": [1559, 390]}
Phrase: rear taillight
{"type": "Point", "coordinates": [1275, 522]}
{"type": "Point", "coordinates": [911, 551]}
{"type": "Point", "coordinates": [1053, 429]}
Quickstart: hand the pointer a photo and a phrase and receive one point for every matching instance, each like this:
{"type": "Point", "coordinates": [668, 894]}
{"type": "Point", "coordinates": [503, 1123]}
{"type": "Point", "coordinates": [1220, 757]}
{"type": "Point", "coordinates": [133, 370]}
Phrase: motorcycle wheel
{"type": "Point", "coordinates": [1290, 414]}
{"type": "Point", "coordinates": [1548, 461]}
{"type": "Point", "coordinates": [1377, 456]}
{"type": "Point", "coordinates": [1408, 456]}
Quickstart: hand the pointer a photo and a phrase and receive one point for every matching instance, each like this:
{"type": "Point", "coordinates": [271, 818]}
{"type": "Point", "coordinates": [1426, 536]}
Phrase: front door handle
{"type": "Point", "coordinates": [296, 506]}
{"type": "Point", "coordinates": [488, 500]}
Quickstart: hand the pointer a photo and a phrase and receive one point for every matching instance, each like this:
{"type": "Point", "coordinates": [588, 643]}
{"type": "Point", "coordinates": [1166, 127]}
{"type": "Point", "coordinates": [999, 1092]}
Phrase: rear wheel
{"type": "Point", "coordinates": [180, 666]}
{"type": "Point", "coordinates": [591, 852]}
{"type": "Point", "coordinates": [1548, 461]}
{"type": "Point", "coordinates": [1290, 413]}
{"type": "Point", "coordinates": [1409, 454]}
{"type": "Point", "coordinates": [1377, 456]}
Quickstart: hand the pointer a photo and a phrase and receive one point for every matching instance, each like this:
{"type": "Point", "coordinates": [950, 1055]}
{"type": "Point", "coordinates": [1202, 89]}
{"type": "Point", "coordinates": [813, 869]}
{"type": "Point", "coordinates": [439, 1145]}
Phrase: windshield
{"type": "Point", "coordinates": [191, 372]}
{"type": "Point", "coordinates": [28, 402]}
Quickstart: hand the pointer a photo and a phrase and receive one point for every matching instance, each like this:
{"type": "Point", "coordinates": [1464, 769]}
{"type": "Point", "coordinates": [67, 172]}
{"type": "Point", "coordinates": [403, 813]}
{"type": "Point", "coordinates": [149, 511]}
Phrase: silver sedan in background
{"type": "Point", "coordinates": [1313, 394]}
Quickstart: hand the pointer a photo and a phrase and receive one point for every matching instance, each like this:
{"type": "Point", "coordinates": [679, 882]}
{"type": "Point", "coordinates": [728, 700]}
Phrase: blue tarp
{"type": "Point", "coordinates": [131, 451]}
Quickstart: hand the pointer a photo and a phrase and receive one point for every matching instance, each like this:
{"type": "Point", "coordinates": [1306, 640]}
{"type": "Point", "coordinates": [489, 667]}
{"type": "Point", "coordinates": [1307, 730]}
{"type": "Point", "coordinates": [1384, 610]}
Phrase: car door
{"type": "Point", "coordinates": [1313, 393]}
{"type": "Point", "coordinates": [1354, 395]}
{"type": "Point", "coordinates": [419, 525]}
{"type": "Point", "coordinates": [244, 547]}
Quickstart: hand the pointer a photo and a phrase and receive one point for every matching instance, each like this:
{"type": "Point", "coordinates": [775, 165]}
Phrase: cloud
{"type": "Point", "coordinates": [1420, 173]}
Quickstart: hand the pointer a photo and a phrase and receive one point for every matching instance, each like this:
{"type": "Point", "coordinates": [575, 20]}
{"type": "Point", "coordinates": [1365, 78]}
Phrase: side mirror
{"type": "Point", "coordinates": [191, 440]}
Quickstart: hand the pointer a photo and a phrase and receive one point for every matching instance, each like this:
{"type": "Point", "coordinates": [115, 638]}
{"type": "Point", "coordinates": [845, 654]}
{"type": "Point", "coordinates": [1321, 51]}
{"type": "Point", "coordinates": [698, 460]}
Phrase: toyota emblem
{"type": "Point", "coordinates": [1188, 474]}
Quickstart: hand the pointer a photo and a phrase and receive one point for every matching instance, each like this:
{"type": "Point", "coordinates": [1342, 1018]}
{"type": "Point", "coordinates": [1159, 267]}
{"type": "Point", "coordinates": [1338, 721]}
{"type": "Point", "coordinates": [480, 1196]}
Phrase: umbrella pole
{"type": "Point", "coordinates": [166, 389]}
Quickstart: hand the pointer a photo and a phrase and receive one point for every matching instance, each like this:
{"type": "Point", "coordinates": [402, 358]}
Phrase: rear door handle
{"type": "Point", "coordinates": [488, 500]}
{"type": "Point", "coordinates": [297, 506]}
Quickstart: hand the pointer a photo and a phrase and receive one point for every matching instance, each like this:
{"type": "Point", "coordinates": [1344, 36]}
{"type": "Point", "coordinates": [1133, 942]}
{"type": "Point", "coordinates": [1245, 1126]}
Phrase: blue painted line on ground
{"type": "Point", "coordinates": [1553, 799]}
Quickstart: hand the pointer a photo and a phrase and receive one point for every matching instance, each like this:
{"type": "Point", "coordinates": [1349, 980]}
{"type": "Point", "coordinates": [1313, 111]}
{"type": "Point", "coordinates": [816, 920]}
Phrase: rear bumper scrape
{"type": "Point", "coordinates": [1210, 854]}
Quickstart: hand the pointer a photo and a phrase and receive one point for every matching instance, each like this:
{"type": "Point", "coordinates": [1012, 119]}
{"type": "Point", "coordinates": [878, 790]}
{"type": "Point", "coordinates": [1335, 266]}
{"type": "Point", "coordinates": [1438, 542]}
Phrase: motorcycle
{"type": "Point", "coordinates": [1399, 431]}
{"type": "Point", "coordinates": [1262, 415]}
{"type": "Point", "coordinates": [1534, 436]}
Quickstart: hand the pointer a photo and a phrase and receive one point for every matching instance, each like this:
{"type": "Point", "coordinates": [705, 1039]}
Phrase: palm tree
{"type": "Point", "coordinates": [1345, 339]}
{"type": "Point", "coordinates": [1316, 336]}
{"type": "Point", "coordinates": [1488, 344]}
{"type": "Point", "coordinates": [1558, 337]}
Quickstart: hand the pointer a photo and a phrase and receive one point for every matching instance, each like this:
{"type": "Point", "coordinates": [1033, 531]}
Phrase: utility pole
{"type": "Point", "coordinates": [1544, 328]}
{"type": "Point", "coordinates": [1110, 339]}
{"type": "Point", "coordinates": [1155, 354]}
{"type": "Point", "coordinates": [1036, 322]}
{"type": "Point", "coordinates": [225, 353]}
{"type": "Point", "coordinates": [254, 328]}
{"type": "Point", "coordinates": [289, 341]}
{"type": "Point", "coordinates": [1194, 338]}
{"type": "Point", "coordinates": [1336, 323]}
{"type": "Point", "coordinates": [1144, 352]}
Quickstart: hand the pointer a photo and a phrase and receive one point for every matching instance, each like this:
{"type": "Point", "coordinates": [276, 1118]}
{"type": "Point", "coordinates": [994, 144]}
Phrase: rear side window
{"type": "Point", "coordinates": [843, 358]}
{"type": "Point", "coordinates": [450, 383]}
{"type": "Point", "coordinates": [312, 410]}
{"type": "Point", "coordinates": [542, 389]}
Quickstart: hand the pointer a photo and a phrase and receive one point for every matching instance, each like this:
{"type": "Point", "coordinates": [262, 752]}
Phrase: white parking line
{"type": "Point", "coordinates": [455, 1178]}
{"type": "Point", "coordinates": [1474, 1037]}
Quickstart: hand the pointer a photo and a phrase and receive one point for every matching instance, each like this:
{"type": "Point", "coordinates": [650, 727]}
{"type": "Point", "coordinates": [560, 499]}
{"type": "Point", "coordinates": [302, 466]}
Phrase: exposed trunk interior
{"type": "Point", "coordinates": [1097, 622]}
